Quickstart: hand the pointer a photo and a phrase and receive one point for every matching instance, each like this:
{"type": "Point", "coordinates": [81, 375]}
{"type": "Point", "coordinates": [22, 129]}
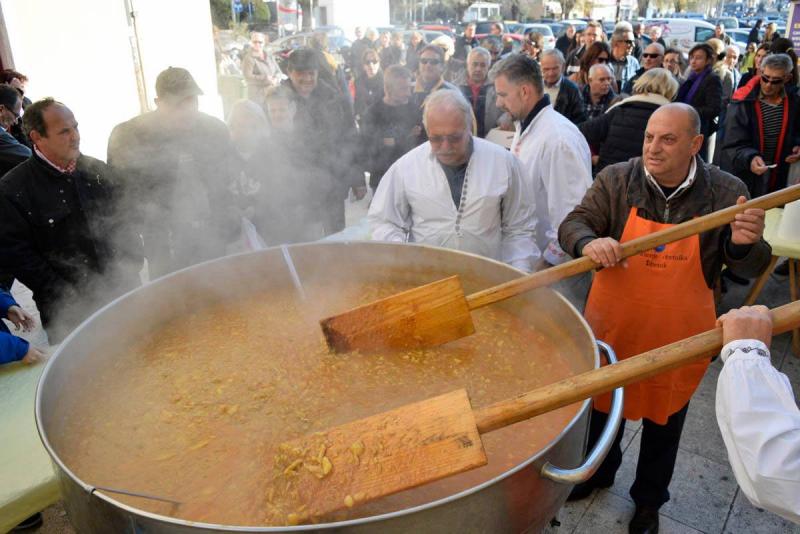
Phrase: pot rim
{"type": "Point", "coordinates": [91, 490]}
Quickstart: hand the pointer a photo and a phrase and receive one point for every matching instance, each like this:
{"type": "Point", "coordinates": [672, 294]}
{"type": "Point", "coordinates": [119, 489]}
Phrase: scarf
{"type": "Point", "coordinates": [692, 85]}
{"type": "Point", "coordinates": [651, 98]}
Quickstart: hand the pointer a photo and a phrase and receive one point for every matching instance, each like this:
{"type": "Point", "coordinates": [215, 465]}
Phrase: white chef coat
{"type": "Point", "coordinates": [413, 203]}
{"type": "Point", "coordinates": [760, 424]}
{"type": "Point", "coordinates": [557, 168]}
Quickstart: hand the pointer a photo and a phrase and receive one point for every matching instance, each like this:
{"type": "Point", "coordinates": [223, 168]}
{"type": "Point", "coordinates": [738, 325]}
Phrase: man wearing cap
{"type": "Point", "coordinates": [324, 121]}
{"type": "Point", "coordinates": [60, 233]}
{"type": "Point", "coordinates": [177, 164]}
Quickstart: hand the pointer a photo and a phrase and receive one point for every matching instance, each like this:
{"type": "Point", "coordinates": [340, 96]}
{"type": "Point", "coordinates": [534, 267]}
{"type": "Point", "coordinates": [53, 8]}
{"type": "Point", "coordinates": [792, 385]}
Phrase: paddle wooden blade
{"type": "Point", "coordinates": [378, 455]}
{"type": "Point", "coordinates": [425, 316]}
{"type": "Point", "coordinates": [428, 440]}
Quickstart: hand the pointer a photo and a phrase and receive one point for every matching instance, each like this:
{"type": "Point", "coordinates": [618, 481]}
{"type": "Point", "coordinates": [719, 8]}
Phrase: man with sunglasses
{"type": "Point", "coordinates": [457, 191]}
{"type": "Point", "coordinates": [762, 136]}
{"type": "Point", "coordinates": [652, 58]}
{"type": "Point", "coordinates": [622, 61]}
{"type": "Point", "coordinates": [260, 69]}
{"type": "Point", "coordinates": [429, 80]}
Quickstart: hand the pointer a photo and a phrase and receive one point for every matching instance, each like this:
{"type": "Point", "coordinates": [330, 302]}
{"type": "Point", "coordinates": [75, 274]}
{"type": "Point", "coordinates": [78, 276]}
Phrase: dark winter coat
{"type": "Point", "coordinates": [61, 233]}
{"type": "Point", "coordinates": [368, 91]}
{"type": "Point", "coordinates": [570, 102]}
{"type": "Point", "coordinates": [744, 138]}
{"type": "Point", "coordinates": [619, 132]}
{"type": "Point", "coordinates": [707, 101]}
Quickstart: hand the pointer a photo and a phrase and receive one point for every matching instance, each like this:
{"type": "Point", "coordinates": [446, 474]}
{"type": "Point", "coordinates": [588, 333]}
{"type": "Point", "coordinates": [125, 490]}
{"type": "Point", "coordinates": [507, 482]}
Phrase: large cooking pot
{"type": "Point", "coordinates": [522, 499]}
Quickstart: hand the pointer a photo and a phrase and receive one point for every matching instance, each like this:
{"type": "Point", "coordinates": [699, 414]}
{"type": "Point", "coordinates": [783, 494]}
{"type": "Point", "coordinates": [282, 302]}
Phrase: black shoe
{"type": "Point", "coordinates": [644, 521]}
{"type": "Point", "coordinates": [581, 491]}
{"type": "Point", "coordinates": [782, 269]}
{"type": "Point", "coordinates": [32, 522]}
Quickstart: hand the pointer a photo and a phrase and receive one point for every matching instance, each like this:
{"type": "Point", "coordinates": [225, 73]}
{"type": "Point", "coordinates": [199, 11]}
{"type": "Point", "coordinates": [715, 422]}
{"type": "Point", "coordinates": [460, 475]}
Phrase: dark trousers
{"type": "Point", "coordinates": [659, 448]}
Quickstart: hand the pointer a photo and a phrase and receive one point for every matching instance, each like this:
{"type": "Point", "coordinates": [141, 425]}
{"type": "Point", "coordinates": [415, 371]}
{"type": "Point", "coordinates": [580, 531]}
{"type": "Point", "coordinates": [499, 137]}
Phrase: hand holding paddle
{"type": "Point", "coordinates": [439, 312]}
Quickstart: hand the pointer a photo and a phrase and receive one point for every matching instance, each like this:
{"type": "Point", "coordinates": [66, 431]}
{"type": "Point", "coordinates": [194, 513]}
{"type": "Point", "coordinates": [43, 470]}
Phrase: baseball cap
{"type": "Point", "coordinates": [177, 83]}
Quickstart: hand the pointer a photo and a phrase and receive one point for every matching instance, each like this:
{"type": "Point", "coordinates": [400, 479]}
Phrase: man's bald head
{"type": "Point", "coordinates": [680, 114]}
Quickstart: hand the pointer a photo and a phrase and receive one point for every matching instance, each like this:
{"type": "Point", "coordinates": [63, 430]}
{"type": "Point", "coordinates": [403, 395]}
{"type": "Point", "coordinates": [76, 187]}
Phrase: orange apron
{"type": "Point", "coordinates": [660, 298]}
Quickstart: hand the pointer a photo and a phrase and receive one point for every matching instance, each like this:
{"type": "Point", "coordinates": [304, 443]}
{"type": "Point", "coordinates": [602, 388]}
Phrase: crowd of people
{"type": "Point", "coordinates": [611, 141]}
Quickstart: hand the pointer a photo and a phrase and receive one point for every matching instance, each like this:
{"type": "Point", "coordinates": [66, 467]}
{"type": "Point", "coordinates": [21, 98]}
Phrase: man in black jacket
{"type": "Point", "coordinates": [325, 122]}
{"type": "Point", "coordinates": [762, 136]}
{"type": "Point", "coordinates": [178, 164]}
{"type": "Point", "coordinates": [652, 58]}
{"type": "Point", "coordinates": [466, 43]}
{"type": "Point", "coordinates": [61, 233]}
{"type": "Point", "coordinates": [479, 91]}
{"type": "Point", "coordinates": [563, 93]}
{"type": "Point", "coordinates": [12, 152]}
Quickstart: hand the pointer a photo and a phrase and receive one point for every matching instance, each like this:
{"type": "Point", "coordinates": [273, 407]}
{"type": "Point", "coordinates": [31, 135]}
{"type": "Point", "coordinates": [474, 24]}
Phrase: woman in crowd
{"type": "Point", "coordinates": [771, 33]}
{"type": "Point", "coordinates": [703, 91]}
{"type": "Point", "coordinates": [415, 46]}
{"type": "Point", "coordinates": [619, 132]}
{"type": "Point", "coordinates": [748, 60]}
{"type": "Point", "coordinates": [368, 83]}
{"type": "Point", "coordinates": [674, 62]}
{"type": "Point", "coordinates": [533, 45]}
{"type": "Point", "coordinates": [720, 68]}
{"type": "Point", "coordinates": [761, 52]}
{"type": "Point", "coordinates": [599, 52]}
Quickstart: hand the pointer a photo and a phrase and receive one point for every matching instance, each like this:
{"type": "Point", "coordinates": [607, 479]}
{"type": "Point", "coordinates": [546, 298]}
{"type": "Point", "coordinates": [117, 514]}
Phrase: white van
{"type": "Point", "coordinates": [683, 34]}
{"type": "Point", "coordinates": [482, 11]}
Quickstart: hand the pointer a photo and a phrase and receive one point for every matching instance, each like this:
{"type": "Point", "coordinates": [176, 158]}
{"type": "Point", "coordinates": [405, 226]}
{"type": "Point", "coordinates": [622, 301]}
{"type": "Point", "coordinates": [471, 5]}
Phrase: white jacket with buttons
{"type": "Point", "coordinates": [413, 203]}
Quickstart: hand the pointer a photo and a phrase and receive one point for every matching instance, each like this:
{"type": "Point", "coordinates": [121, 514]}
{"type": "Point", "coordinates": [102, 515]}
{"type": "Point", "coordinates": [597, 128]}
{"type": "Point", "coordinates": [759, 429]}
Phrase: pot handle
{"type": "Point", "coordinates": [603, 445]}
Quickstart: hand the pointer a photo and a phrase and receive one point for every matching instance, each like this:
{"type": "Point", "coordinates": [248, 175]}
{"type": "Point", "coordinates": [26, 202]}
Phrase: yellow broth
{"type": "Point", "coordinates": [195, 412]}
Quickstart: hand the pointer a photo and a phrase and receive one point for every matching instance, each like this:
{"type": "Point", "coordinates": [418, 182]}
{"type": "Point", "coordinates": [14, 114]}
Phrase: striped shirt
{"type": "Point", "coordinates": [772, 115]}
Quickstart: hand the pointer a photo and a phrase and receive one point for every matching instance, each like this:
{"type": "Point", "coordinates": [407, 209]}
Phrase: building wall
{"type": "Point", "coordinates": [79, 52]}
{"type": "Point", "coordinates": [348, 14]}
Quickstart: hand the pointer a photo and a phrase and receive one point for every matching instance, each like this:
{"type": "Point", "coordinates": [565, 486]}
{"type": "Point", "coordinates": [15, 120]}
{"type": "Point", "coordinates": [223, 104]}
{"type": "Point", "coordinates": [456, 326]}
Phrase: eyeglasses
{"type": "Point", "coordinates": [432, 61]}
{"type": "Point", "coordinates": [371, 62]}
{"type": "Point", "coordinates": [628, 42]}
{"type": "Point", "coordinates": [451, 139]}
{"type": "Point", "coordinates": [771, 81]}
{"type": "Point", "coordinates": [602, 59]}
{"type": "Point", "coordinates": [651, 56]}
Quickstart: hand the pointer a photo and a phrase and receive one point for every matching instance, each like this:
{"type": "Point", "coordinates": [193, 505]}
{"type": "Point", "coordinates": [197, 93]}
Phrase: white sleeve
{"type": "Point", "coordinates": [518, 221]}
{"type": "Point", "coordinates": [760, 425]}
{"type": "Point", "coordinates": [567, 175]}
{"type": "Point", "coordinates": [389, 213]}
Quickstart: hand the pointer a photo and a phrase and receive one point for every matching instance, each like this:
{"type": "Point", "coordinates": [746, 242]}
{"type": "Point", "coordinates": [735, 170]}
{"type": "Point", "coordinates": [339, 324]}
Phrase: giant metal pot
{"type": "Point", "coordinates": [522, 499]}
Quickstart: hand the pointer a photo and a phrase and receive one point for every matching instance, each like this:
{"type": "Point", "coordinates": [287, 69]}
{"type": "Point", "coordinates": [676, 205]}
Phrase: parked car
{"type": "Point", "coordinates": [485, 27]}
{"type": "Point", "coordinates": [683, 33]}
{"type": "Point", "coordinates": [544, 29]}
{"type": "Point", "coordinates": [731, 23]}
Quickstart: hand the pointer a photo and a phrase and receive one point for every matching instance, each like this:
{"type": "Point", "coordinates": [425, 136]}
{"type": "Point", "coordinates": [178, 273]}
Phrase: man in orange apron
{"type": "Point", "coordinates": [662, 295]}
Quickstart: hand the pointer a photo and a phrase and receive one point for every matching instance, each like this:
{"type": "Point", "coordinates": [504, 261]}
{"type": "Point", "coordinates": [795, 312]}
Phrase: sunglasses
{"type": "Point", "coordinates": [629, 42]}
{"type": "Point", "coordinates": [371, 62]}
{"type": "Point", "coordinates": [426, 61]}
{"type": "Point", "coordinates": [771, 81]}
{"type": "Point", "coordinates": [651, 56]}
{"type": "Point", "coordinates": [602, 59]}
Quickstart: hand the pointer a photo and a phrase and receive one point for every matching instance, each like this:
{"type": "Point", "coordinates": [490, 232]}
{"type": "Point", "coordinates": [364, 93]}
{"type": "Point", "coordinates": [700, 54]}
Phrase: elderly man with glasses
{"type": "Point", "coordinates": [652, 58]}
{"type": "Point", "coordinates": [762, 138]}
{"type": "Point", "coordinates": [622, 61]}
{"type": "Point", "coordinates": [457, 191]}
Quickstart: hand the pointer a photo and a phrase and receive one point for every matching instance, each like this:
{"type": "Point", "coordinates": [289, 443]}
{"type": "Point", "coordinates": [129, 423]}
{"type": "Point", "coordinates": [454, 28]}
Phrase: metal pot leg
{"type": "Point", "coordinates": [601, 448]}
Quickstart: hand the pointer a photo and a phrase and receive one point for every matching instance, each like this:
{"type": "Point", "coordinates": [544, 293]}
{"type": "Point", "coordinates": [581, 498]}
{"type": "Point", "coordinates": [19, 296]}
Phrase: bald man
{"type": "Point", "coordinates": [667, 293]}
{"type": "Point", "coordinates": [652, 58]}
{"type": "Point", "coordinates": [457, 191]}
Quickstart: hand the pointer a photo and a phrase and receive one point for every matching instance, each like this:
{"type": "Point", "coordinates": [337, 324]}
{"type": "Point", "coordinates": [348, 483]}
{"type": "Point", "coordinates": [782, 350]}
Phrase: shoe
{"type": "Point", "coordinates": [583, 490]}
{"type": "Point", "coordinates": [644, 521]}
{"type": "Point", "coordinates": [32, 522]}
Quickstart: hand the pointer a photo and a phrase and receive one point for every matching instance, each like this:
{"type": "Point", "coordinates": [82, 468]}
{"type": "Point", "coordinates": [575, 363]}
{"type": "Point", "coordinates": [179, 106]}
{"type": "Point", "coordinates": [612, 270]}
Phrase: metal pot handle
{"type": "Point", "coordinates": [601, 448]}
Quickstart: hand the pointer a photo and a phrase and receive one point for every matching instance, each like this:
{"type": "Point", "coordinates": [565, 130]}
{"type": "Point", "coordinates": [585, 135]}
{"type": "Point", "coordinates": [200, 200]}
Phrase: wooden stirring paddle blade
{"type": "Point", "coordinates": [378, 455]}
{"type": "Point", "coordinates": [425, 316]}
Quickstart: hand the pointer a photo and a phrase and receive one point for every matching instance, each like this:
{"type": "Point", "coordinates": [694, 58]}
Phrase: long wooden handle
{"type": "Point", "coordinates": [631, 248]}
{"type": "Point", "coordinates": [591, 383]}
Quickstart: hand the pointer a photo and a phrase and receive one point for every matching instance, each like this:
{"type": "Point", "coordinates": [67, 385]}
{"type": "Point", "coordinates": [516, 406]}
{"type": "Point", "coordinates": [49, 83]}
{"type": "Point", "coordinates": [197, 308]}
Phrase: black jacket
{"type": "Point", "coordinates": [707, 101]}
{"type": "Point", "coordinates": [386, 135]}
{"type": "Point", "coordinates": [368, 91]}
{"type": "Point", "coordinates": [619, 132]}
{"type": "Point", "coordinates": [743, 138]}
{"type": "Point", "coordinates": [628, 87]}
{"type": "Point", "coordinates": [60, 235]}
{"type": "Point", "coordinates": [570, 102]}
{"type": "Point", "coordinates": [563, 43]}
{"type": "Point", "coordinates": [463, 47]}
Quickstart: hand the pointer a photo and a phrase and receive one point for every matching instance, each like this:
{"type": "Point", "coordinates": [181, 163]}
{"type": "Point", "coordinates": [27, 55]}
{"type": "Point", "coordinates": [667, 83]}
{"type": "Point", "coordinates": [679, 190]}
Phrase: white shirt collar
{"type": "Point", "coordinates": [686, 184]}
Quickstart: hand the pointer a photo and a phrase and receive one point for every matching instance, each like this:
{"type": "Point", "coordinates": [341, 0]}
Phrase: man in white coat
{"type": "Point", "coordinates": [556, 160]}
{"type": "Point", "coordinates": [457, 191]}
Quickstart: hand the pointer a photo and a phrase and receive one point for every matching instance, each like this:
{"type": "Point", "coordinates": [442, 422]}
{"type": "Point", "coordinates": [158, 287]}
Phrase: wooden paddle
{"type": "Point", "coordinates": [439, 312]}
{"type": "Point", "coordinates": [435, 438]}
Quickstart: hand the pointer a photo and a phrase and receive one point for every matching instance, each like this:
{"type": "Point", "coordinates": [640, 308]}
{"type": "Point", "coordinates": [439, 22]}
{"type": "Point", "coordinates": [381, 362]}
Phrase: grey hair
{"type": "Point", "coordinates": [623, 25]}
{"type": "Point", "coordinates": [482, 52]}
{"type": "Point", "coordinates": [777, 61]}
{"type": "Point", "coordinates": [519, 68]}
{"type": "Point", "coordinates": [620, 33]}
{"type": "Point", "coordinates": [732, 48]}
{"type": "Point", "coordinates": [594, 68]}
{"type": "Point", "coordinates": [659, 81]}
{"type": "Point", "coordinates": [447, 98]}
{"type": "Point", "coordinates": [555, 52]}
{"type": "Point", "coordinates": [659, 46]}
